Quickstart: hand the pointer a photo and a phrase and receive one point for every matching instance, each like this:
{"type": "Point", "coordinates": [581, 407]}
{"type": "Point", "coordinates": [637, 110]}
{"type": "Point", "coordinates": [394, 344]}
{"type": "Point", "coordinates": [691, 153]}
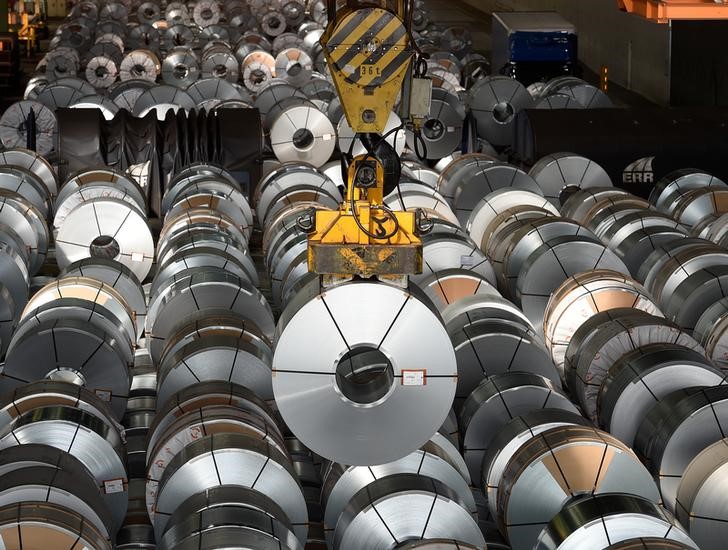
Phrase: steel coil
{"type": "Point", "coordinates": [642, 377]}
{"type": "Point", "coordinates": [495, 402]}
{"type": "Point", "coordinates": [700, 504]}
{"type": "Point", "coordinates": [564, 462]}
{"type": "Point", "coordinates": [581, 297]}
{"type": "Point", "coordinates": [389, 377]}
{"type": "Point", "coordinates": [676, 430]}
{"type": "Point", "coordinates": [230, 459]}
{"type": "Point", "coordinates": [407, 507]}
{"type": "Point", "coordinates": [605, 521]}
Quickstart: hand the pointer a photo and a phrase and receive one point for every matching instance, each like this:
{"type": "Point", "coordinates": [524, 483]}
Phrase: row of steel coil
{"type": "Point", "coordinates": [564, 393]}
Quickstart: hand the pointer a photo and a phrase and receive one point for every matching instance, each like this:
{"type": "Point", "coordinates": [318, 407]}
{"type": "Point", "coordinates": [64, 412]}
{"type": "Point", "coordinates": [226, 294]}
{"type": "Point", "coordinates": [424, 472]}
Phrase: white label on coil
{"type": "Point", "coordinates": [137, 257]}
{"type": "Point", "coordinates": [414, 377]}
{"type": "Point", "coordinates": [104, 395]}
{"type": "Point", "coordinates": [327, 137]}
{"type": "Point", "coordinates": [467, 260]}
{"type": "Point", "coordinates": [451, 129]}
{"type": "Point", "coordinates": [112, 486]}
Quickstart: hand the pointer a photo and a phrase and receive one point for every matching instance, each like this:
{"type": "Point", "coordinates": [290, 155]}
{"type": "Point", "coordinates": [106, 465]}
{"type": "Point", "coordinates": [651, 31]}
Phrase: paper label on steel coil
{"type": "Point", "coordinates": [112, 486]}
{"type": "Point", "coordinates": [104, 395]}
{"type": "Point", "coordinates": [414, 377]}
{"type": "Point", "coordinates": [137, 257]}
{"type": "Point", "coordinates": [466, 260]}
{"type": "Point", "coordinates": [327, 137]}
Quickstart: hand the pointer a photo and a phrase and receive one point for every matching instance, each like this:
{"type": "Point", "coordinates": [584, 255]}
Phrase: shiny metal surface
{"type": "Point", "coordinates": [26, 183]}
{"type": "Point", "coordinates": [42, 473]}
{"type": "Point", "coordinates": [696, 294]}
{"type": "Point", "coordinates": [342, 483]}
{"type": "Point", "coordinates": [441, 251]}
{"type": "Point", "coordinates": [681, 266]}
{"type": "Point", "coordinates": [242, 360]}
{"type": "Point", "coordinates": [106, 221]}
{"type": "Point", "coordinates": [95, 443]}
{"type": "Point", "coordinates": [404, 507]}
{"type": "Point", "coordinates": [478, 185]}
{"type": "Point", "coordinates": [672, 185]}
{"type": "Point", "coordinates": [495, 402]}
{"type": "Point", "coordinates": [498, 202]}
{"type": "Point", "coordinates": [557, 172]}
{"type": "Point", "coordinates": [432, 203]}
{"type": "Point", "coordinates": [700, 504]}
{"type": "Point", "coordinates": [197, 289]}
{"type": "Point", "coordinates": [510, 438]}
{"type": "Point", "coordinates": [294, 65]}
{"type": "Point", "coordinates": [676, 430]}
{"type": "Point", "coordinates": [140, 64]}
{"type": "Point", "coordinates": [487, 347]}
{"type": "Point", "coordinates": [294, 186]}
{"type": "Point", "coordinates": [247, 521]}
{"type": "Point", "coordinates": [482, 306]}
{"type": "Point", "coordinates": [607, 336]}
{"type": "Point", "coordinates": [91, 290]}
{"type": "Point", "coordinates": [581, 297]}
{"type": "Point", "coordinates": [449, 286]}
{"type": "Point", "coordinates": [494, 102]}
{"type": "Point", "coordinates": [696, 204]}
{"type": "Point", "coordinates": [115, 181]}
{"type": "Point", "coordinates": [206, 13]}
{"type": "Point", "coordinates": [180, 67]}
{"type": "Point", "coordinates": [73, 350]}
{"type": "Point", "coordinates": [37, 164]}
{"type": "Point", "coordinates": [662, 254]}
{"type": "Point", "coordinates": [13, 126]}
{"type": "Point", "coordinates": [554, 261]}
{"type": "Point", "coordinates": [603, 521]}
{"type": "Point", "coordinates": [341, 423]}
{"type": "Point", "coordinates": [641, 378]}
{"type": "Point", "coordinates": [125, 94]}
{"type": "Point", "coordinates": [302, 133]}
{"type": "Point", "coordinates": [527, 237]}
{"type": "Point", "coordinates": [558, 464]}
{"type": "Point", "coordinates": [442, 131]}
{"type": "Point", "coordinates": [118, 276]}
{"type": "Point", "coordinates": [258, 68]}
{"type": "Point", "coordinates": [28, 223]}
{"type": "Point", "coordinates": [230, 459]}
{"type": "Point", "coordinates": [39, 523]}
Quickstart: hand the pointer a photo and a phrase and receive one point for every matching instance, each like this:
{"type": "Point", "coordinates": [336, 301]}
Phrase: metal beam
{"type": "Point", "coordinates": [662, 11]}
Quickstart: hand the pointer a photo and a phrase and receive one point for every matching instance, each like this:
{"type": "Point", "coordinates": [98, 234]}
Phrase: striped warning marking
{"type": "Point", "coordinates": [369, 47]}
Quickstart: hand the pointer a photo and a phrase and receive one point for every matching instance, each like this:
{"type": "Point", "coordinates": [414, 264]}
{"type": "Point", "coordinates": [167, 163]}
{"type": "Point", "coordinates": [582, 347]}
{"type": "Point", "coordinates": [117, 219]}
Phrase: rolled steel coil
{"type": "Point", "coordinates": [495, 402]}
{"type": "Point", "coordinates": [700, 507]}
{"type": "Point", "coordinates": [565, 461]}
{"type": "Point", "coordinates": [642, 377]}
{"type": "Point", "coordinates": [408, 507]}
{"type": "Point", "coordinates": [676, 430]}
{"type": "Point", "coordinates": [611, 522]}
{"type": "Point", "coordinates": [388, 378]}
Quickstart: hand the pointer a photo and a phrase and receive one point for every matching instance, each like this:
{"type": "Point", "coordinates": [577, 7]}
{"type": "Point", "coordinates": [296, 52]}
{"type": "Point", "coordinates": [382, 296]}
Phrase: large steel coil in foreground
{"type": "Point", "coordinates": [380, 376]}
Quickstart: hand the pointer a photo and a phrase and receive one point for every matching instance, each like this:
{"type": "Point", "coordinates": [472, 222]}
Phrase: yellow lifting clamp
{"type": "Point", "coordinates": [364, 237]}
